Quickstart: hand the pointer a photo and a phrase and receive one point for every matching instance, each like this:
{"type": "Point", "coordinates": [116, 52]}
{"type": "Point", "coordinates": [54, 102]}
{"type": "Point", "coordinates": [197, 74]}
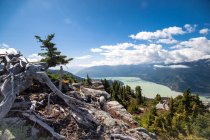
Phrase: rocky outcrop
{"type": "Point", "coordinates": [119, 112]}
{"type": "Point", "coordinates": [115, 123]}
{"type": "Point", "coordinates": [67, 116]}
{"type": "Point", "coordinates": [94, 92]}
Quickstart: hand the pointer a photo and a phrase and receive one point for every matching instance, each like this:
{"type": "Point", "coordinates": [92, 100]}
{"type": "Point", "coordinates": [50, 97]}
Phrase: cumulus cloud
{"type": "Point", "coordinates": [167, 41]}
{"type": "Point", "coordinates": [84, 57]}
{"type": "Point", "coordinates": [34, 57]}
{"type": "Point", "coordinates": [158, 34]}
{"type": "Point", "coordinates": [128, 53]}
{"type": "Point", "coordinates": [172, 66]}
{"type": "Point", "coordinates": [190, 28]}
{"type": "Point", "coordinates": [204, 31]}
{"type": "Point", "coordinates": [120, 46]}
{"type": "Point", "coordinates": [4, 48]}
{"type": "Point", "coordinates": [96, 50]}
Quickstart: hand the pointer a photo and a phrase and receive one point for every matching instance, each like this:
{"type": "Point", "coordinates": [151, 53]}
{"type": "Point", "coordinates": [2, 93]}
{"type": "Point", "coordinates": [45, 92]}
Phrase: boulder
{"type": "Point", "coordinates": [118, 111]}
{"type": "Point", "coordinates": [17, 128]}
{"type": "Point", "coordinates": [162, 106]}
{"type": "Point", "coordinates": [95, 93]}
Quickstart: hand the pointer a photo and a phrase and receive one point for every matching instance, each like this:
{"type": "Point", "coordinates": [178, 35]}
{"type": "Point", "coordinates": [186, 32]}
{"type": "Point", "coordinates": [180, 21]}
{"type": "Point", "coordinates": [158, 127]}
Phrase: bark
{"type": "Point", "coordinates": [21, 82]}
{"type": "Point", "coordinates": [78, 108]}
{"type": "Point", "coordinates": [44, 125]}
{"type": "Point", "coordinates": [61, 78]}
{"type": "Point", "coordinates": [17, 81]}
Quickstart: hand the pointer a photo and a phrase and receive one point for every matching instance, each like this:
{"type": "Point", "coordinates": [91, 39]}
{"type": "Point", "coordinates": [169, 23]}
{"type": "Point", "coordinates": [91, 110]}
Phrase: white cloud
{"type": "Point", "coordinates": [167, 41]}
{"type": "Point", "coordinates": [204, 31]}
{"type": "Point", "coordinates": [3, 45]}
{"type": "Point", "coordinates": [190, 28]}
{"type": "Point", "coordinates": [172, 66]}
{"type": "Point", "coordinates": [4, 48]}
{"type": "Point", "coordinates": [84, 57]}
{"type": "Point", "coordinates": [158, 34]}
{"type": "Point", "coordinates": [96, 50]}
{"type": "Point", "coordinates": [34, 57]}
{"type": "Point", "coordinates": [120, 46]}
{"type": "Point", "coordinates": [127, 53]}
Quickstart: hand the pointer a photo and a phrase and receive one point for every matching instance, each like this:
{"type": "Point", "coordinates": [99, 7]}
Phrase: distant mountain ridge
{"type": "Point", "coordinates": [194, 75]}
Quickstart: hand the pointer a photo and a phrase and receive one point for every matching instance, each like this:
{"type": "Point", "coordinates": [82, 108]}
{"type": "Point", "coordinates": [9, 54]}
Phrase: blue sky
{"type": "Point", "coordinates": [81, 26]}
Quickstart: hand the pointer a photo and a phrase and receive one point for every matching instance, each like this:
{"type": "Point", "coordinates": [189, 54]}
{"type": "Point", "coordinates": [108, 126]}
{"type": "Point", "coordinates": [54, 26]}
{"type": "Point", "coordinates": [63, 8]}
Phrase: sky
{"type": "Point", "coordinates": [109, 32]}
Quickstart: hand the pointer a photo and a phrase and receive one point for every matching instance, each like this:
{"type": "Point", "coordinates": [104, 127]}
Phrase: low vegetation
{"type": "Point", "coordinates": [186, 118]}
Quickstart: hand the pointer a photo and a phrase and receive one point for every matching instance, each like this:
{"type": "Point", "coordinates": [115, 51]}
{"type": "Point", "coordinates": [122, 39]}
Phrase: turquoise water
{"type": "Point", "coordinates": [149, 89]}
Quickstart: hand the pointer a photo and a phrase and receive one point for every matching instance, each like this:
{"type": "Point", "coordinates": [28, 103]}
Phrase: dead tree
{"type": "Point", "coordinates": [17, 75]}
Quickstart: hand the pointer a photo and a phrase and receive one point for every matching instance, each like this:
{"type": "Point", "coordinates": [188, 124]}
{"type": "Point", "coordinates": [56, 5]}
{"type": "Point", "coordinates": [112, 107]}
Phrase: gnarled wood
{"type": "Point", "coordinates": [44, 125]}
{"type": "Point", "coordinates": [18, 76]}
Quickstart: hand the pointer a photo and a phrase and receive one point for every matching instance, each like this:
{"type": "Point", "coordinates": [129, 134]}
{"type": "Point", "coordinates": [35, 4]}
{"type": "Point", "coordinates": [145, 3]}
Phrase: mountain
{"type": "Point", "coordinates": [180, 76]}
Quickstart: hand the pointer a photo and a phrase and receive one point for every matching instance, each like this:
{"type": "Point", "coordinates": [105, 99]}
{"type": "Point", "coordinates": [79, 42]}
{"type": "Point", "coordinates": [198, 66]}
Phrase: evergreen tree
{"type": "Point", "coordinates": [133, 107]}
{"type": "Point", "coordinates": [170, 114]}
{"type": "Point", "coordinates": [186, 100]}
{"type": "Point", "coordinates": [171, 107]}
{"type": "Point", "coordinates": [158, 98]}
{"type": "Point", "coordinates": [52, 56]}
{"type": "Point", "coordinates": [138, 95]}
{"type": "Point", "coordinates": [151, 116]}
{"type": "Point", "coordinates": [88, 80]}
{"type": "Point", "coordinates": [115, 88]}
{"type": "Point", "coordinates": [106, 85]}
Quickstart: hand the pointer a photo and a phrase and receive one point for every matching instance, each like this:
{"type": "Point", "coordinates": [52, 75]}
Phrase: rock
{"type": "Point", "coordinates": [141, 109]}
{"type": "Point", "coordinates": [141, 132]}
{"type": "Point", "coordinates": [68, 117]}
{"type": "Point", "coordinates": [17, 128]}
{"type": "Point", "coordinates": [206, 103]}
{"type": "Point", "coordinates": [95, 93]}
{"type": "Point", "coordinates": [162, 105]}
{"type": "Point", "coordinates": [96, 84]}
{"type": "Point", "coordinates": [102, 101]}
{"type": "Point", "coordinates": [76, 85]}
{"type": "Point", "coordinates": [118, 111]}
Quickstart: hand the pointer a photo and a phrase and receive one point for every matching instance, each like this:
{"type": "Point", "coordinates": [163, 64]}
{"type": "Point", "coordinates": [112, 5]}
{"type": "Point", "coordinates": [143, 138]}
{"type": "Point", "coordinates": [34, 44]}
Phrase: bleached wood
{"type": "Point", "coordinates": [44, 125]}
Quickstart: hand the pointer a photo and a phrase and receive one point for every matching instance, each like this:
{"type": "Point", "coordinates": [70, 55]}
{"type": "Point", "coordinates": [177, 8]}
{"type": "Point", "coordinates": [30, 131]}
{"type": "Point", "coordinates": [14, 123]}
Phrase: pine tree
{"type": "Point", "coordinates": [138, 95]}
{"type": "Point", "coordinates": [88, 80]}
{"type": "Point", "coordinates": [171, 107]}
{"type": "Point", "coordinates": [158, 98]}
{"type": "Point", "coordinates": [170, 114]}
{"type": "Point", "coordinates": [186, 100]}
{"type": "Point", "coordinates": [151, 116]}
{"type": "Point", "coordinates": [52, 56]}
{"type": "Point", "coordinates": [106, 85]}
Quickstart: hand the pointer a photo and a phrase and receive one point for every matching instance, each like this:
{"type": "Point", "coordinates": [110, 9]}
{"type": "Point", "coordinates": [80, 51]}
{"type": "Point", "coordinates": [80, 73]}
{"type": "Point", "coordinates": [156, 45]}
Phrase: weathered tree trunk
{"type": "Point", "coordinates": [44, 125]}
{"type": "Point", "coordinates": [79, 109]}
{"type": "Point", "coordinates": [61, 78]}
{"type": "Point", "coordinates": [19, 77]}
{"type": "Point", "coordinates": [21, 82]}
